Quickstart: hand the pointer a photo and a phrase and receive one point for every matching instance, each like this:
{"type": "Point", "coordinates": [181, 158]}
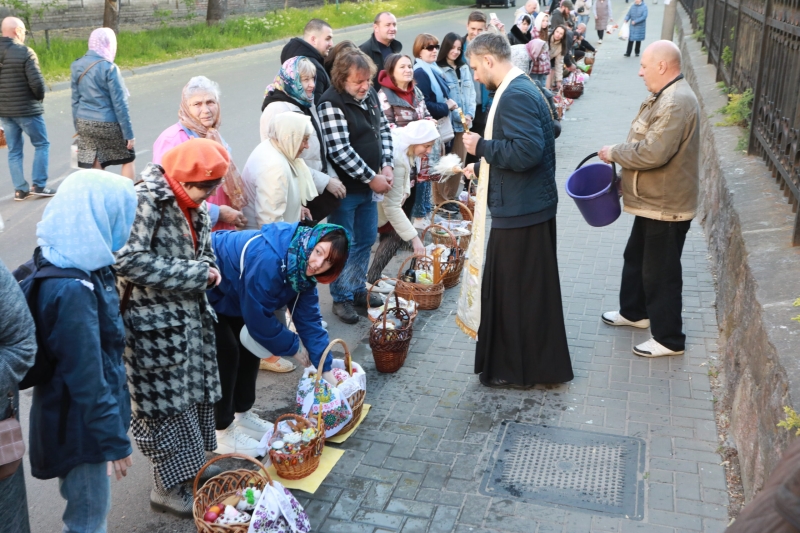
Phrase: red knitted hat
{"type": "Point", "coordinates": [196, 160]}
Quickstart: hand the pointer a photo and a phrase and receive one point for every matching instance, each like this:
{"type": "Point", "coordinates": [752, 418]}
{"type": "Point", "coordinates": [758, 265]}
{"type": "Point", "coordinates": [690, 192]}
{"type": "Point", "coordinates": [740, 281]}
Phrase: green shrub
{"type": "Point", "coordinates": [739, 109]}
{"type": "Point", "coordinates": [727, 56]}
{"type": "Point", "coordinates": [700, 17]}
{"type": "Point", "coordinates": [792, 420]}
{"type": "Point", "coordinates": [167, 43]}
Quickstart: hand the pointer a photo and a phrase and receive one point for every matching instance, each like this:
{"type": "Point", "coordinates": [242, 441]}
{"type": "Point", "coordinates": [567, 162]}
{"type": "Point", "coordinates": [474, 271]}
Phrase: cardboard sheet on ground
{"type": "Point", "coordinates": [338, 439]}
{"type": "Point", "coordinates": [310, 484]}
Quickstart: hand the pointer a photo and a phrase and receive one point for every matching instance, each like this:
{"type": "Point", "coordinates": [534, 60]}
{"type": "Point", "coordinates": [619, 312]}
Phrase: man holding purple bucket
{"type": "Point", "coordinates": [660, 182]}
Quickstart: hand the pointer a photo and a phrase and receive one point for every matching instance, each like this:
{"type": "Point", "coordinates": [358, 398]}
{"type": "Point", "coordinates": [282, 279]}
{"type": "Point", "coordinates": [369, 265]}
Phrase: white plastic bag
{"type": "Point", "coordinates": [625, 31]}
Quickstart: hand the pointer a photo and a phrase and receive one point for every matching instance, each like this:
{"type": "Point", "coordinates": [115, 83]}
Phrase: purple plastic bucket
{"type": "Point", "coordinates": [594, 189]}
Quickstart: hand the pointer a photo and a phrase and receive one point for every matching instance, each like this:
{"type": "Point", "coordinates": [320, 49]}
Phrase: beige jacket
{"type": "Point", "coordinates": [661, 159]}
{"type": "Point", "coordinates": [391, 208]}
{"type": "Point", "coordinates": [271, 188]}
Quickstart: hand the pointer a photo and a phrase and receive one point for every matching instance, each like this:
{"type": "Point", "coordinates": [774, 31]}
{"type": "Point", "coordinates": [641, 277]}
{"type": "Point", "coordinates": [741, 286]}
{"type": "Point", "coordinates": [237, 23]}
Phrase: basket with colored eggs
{"type": "Point", "coordinates": [296, 446]}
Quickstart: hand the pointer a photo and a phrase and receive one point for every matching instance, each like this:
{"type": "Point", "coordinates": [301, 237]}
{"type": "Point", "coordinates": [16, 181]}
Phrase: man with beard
{"type": "Point", "coordinates": [317, 41]}
{"type": "Point", "coordinates": [513, 304]}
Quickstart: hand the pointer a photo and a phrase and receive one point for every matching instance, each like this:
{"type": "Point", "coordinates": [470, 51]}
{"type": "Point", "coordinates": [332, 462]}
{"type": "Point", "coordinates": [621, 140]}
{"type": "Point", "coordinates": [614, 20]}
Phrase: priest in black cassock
{"type": "Point", "coordinates": [512, 303]}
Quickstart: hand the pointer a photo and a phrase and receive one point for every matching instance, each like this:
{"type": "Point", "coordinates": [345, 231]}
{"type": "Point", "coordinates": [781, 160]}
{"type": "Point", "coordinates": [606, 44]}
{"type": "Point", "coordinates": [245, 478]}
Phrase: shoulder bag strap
{"type": "Point", "coordinates": [87, 70]}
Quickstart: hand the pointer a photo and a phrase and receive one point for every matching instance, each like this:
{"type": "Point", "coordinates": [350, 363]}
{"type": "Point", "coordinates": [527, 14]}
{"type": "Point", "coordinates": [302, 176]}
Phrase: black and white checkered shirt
{"type": "Point", "coordinates": [337, 137]}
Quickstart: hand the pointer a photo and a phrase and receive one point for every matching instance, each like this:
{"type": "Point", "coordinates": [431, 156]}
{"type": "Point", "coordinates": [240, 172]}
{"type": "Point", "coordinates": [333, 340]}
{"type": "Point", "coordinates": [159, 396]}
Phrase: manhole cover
{"type": "Point", "coordinates": [569, 468]}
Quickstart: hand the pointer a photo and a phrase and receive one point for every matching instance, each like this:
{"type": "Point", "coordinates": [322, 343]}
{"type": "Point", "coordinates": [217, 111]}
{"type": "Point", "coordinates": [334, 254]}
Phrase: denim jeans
{"type": "Point", "coordinates": [358, 214]}
{"type": "Point", "coordinates": [422, 204]}
{"type": "Point", "coordinates": [583, 19]}
{"type": "Point", "coordinates": [541, 78]}
{"type": "Point", "coordinates": [652, 279]}
{"type": "Point", "coordinates": [87, 490]}
{"type": "Point", "coordinates": [34, 128]}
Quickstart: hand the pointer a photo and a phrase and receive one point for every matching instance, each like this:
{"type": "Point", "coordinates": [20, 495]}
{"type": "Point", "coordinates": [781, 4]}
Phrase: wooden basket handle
{"type": "Point", "coordinates": [228, 456]}
{"type": "Point", "coordinates": [400, 272]}
{"type": "Point", "coordinates": [459, 204]}
{"type": "Point", "coordinates": [452, 237]}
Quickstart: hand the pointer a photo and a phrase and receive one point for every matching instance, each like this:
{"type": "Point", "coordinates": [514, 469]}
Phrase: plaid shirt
{"type": "Point", "coordinates": [541, 64]}
{"type": "Point", "coordinates": [337, 137]}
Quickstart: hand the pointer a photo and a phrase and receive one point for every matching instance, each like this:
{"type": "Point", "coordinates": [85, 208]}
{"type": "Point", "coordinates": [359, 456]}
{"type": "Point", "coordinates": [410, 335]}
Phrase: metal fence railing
{"type": "Point", "coordinates": [755, 44]}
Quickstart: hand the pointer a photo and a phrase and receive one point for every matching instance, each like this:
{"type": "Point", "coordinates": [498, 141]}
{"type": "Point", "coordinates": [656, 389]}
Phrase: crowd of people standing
{"type": "Point", "coordinates": [182, 285]}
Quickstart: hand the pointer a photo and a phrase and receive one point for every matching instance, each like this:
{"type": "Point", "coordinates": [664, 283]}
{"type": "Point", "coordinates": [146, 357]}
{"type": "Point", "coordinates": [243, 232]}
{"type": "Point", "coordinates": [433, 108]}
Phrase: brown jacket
{"type": "Point", "coordinates": [661, 159]}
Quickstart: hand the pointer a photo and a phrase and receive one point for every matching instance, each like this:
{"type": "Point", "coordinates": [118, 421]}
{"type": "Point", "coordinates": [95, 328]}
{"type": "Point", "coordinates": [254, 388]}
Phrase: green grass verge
{"type": "Point", "coordinates": [136, 49]}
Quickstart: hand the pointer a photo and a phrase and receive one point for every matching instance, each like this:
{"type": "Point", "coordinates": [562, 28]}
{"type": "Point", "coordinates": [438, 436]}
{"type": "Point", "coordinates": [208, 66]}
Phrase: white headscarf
{"type": "Point", "coordinates": [416, 132]}
{"type": "Point", "coordinates": [286, 133]}
{"type": "Point", "coordinates": [537, 22]}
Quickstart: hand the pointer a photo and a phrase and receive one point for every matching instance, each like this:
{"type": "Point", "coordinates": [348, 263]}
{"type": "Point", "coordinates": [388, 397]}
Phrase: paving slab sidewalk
{"type": "Point", "coordinates": [416, 463]}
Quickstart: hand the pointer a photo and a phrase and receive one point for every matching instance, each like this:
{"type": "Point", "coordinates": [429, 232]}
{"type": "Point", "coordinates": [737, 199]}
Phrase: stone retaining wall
{"type": "Point", "coordinates": [748, 226]}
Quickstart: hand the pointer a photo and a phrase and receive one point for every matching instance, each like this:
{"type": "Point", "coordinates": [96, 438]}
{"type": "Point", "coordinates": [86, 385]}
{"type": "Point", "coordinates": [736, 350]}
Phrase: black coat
{"type": "Point", "coordinates": [372, 48]}
{"type": "Point", "coordinates": [515, 36]}
{"type": "Point", "coordinates": [21, 80]}
{"type": "Point", "coordinates": [522, 184]}
{"type": "Point", "coordinates": [298, 47]}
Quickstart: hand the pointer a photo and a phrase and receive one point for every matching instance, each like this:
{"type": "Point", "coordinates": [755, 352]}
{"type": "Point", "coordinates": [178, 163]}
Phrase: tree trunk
{"type": "Point", "coordinates": [217, 10]}
{"type": "Point", "coordinates": [111, 15]}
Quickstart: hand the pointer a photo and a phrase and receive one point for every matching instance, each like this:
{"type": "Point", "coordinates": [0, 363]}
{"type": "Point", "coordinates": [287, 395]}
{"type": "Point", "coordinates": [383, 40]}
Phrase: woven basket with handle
{"type": "Point", "coordinates": [303, 462]}
{"type": "Point", "coordinates": [390, 346]}
{"type": "Point", "coordinates": [356, 400]}
{"type": "Point", "coordinates": [466, 214]}
{"type": "Point", "coordinates": [374, 319]}
{"type": "Point", "coordinates": [220, 487]}
{"type": "Point", "coordinates": [451, 270]}
{"type": "Point", "coordinates": [428, 297]}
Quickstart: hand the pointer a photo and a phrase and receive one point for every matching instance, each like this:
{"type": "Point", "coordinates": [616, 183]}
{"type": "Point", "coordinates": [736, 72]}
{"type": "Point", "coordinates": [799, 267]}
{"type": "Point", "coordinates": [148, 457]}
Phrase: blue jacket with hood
{"type": "Point", "coordinates": [263, 288]}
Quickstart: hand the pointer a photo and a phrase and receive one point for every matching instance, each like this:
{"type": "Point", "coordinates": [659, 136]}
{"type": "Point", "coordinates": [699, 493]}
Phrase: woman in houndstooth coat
{"type": "Point", "coordinates": [170, 354]}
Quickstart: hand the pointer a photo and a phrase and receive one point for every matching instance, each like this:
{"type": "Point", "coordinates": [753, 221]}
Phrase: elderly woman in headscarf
{"type": "Point", "coordinates": [293, 91]}
{"type": "Point", "coordinates": [521, 31]}
{"type": "Point", "coordinates": [162, 273]}
{"type": "Point", "coordinates": [278, 183]}
{"type": "Point", "coordinates": [263, 271]}
{"type": "Point", "coordinates": [100, 107]}
{"type": "Point", "coordinates": [200, 116]}
{"type": "Point", "coordinates": [80, 417]}
{"type": "Point", "coordinates": [410, 142]}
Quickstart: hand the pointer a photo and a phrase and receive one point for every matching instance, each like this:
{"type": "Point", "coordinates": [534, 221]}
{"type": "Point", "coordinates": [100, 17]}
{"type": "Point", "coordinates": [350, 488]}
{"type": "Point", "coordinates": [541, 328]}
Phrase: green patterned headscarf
{"type": "Point", "coordinates": [288, 81]}
{"type": "Point", "coordinates": [303, 242]}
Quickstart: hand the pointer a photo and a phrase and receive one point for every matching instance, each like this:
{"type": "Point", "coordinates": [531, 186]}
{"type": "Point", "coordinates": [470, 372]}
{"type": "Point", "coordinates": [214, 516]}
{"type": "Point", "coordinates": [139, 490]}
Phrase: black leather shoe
{"type": "Point", "coordinates": [360, 300]}
{"type": "Point", "coordinates": [497, 383]}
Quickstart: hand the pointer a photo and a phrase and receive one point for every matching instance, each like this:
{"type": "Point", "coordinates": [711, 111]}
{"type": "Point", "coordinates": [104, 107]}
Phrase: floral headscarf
{"type": "Point", "coordinates": [104, 42]}
{"type": "Point", "coordinates": [288, 81]}
{"type": "Point", "coordinates": [303, 242]}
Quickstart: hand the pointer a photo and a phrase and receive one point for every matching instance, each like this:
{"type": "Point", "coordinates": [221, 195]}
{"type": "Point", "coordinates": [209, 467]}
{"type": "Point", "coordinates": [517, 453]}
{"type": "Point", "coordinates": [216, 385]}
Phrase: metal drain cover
{"type": "Point", "coordinates": [568, 468]}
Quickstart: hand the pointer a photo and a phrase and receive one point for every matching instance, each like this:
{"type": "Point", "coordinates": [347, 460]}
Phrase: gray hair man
{"type": "Point", "coordinates": [531, 8]}
{"type": "Point", "coordinates": [517, 158]}
{"type": "Point", "coordinates": [660, 163]}
{"type": "Point", "coordinates": [21, 109]}
{"type": "Point", "coordinates": [315, 44]}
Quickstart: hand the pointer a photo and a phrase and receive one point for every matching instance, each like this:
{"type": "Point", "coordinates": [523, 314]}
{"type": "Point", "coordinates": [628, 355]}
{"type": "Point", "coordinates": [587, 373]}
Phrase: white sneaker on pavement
{"type": "Point", "coordinates": [251, 424]}
{"type": "Point", "coordinates": [324, 325]}
{"type": "Point", "coordinates": [613, 318]}
{"type": "Point", "coordinates": [381, 287]}
{"type": "Point", "coordinates": [653, 348]}
{"type": "Point", "coordinates": [421, 223]}
{"type": "Point", "coordinates": [232, 440]}
{"type": "Point", "coordinates": [386, 279]}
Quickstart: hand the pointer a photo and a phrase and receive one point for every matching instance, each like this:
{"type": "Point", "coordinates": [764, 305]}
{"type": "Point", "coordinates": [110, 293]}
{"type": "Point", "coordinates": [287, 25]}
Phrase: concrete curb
{"type": "Point", "coordinates": [158, 67]}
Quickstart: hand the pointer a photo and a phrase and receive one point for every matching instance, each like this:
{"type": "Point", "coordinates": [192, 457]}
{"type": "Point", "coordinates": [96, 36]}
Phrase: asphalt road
{"type": "Point", "coordinates": [154, 105]}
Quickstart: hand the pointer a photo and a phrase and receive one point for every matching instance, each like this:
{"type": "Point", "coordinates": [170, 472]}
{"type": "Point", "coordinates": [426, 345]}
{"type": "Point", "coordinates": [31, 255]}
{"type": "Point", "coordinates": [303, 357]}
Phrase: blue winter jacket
{"type": "Point", "coordinates": [637, 14]}
{"type": "Point", "coordinates": [437, 109]}
{"type": "Point", "coordinates": [82, 415]}
{"type": "Point", "coordinates": [264, 288]}
{"type": "Point", "coordinates": [101, 94]}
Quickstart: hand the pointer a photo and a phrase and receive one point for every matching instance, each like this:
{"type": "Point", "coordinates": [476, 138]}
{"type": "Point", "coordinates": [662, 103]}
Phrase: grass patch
{"type": "Point", "coordinates": [168, 43]}
{"type": "Point", "coordinates": [700, 18]}
{"type": "Point", "coordinates": [727, 56]}
{"type": "Point", "coordinates": [738, 110]}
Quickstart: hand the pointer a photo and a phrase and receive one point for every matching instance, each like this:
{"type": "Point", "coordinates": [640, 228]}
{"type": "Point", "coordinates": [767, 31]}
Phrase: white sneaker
{"type": "Point", "coordinates": [324, 325]}
{"type": "Point", "coordinates": [421, 223]}
{"type": "Point", "coordinates": [600, 41]}
{"type": "Point", "coordinates": [251, 424]}
{"type": "Point", "coordinates": [386, 279]}
{"type": "Point", "coordinates": [381, 287]}
{"type": "Point", "coordinates": [653, 348]}
{"type": "Point", "coordinates": [232, 440]}
{"type": "Point", "coordinates": [613, 318]}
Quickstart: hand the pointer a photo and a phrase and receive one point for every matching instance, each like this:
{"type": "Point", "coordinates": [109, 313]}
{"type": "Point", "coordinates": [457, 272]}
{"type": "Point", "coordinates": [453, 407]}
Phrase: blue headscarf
{"type": "Point", "coordinates": [88, 220]}
{"type": "Point", "coordinates": [303, 242]}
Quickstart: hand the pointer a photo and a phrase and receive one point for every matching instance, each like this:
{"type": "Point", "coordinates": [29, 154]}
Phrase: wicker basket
{"type": "Point", "coordinates": [356, 400]}
{"type": "Point", "coordinates": [220, 487]}
{"type": "Point", "coordinates": [588, 59]}
{"type": "Point", "coordinates": [375, 319]}
{"type": "Point", "coordinates": [303, 463]}
{"type": "Point", "coordinates": [462, 240]}
{"type": "Point", "coordinates": [428, 297]}
{"type": "Point", "coordinates": [573, 90]}
{"type": "Point", "coordinates": [451, 270]}
{"type": "Point", "coordinates": [390, 346]}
